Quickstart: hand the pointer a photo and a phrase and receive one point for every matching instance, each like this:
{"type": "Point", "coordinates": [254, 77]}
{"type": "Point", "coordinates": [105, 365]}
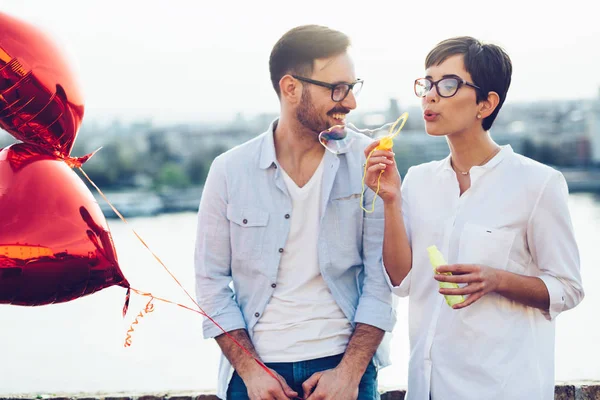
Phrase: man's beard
{"type": "Point", "coordinates": [308, 116]}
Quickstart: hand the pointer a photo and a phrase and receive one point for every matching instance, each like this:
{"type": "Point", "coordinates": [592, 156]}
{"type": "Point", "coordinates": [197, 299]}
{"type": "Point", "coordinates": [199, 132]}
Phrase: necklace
{"type": "Point", "coordinates": [494, 152]}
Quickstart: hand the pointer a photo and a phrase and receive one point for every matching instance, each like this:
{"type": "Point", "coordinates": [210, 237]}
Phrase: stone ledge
{"type": "Point", "coordinates": [562, 391]}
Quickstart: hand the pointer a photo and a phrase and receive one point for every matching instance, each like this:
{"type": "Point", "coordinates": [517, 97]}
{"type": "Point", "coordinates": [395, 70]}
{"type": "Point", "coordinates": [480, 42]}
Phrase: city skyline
{"type": "Point", "coordinates": [188, 61]}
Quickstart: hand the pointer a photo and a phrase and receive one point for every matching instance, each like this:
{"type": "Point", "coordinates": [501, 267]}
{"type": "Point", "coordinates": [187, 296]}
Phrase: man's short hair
{"type": "Point", "coordinates": [297, 49]}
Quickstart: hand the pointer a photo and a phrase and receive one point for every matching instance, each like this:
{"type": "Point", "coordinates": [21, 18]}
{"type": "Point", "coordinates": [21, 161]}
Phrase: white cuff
{"type": "Point", "coordinates": [401, 290]}
{"type": "Point", "coordinates": [557, 296]}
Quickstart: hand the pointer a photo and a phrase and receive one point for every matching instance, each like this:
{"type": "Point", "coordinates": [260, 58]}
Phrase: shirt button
{"type": "Point", "coordinates": [256, 314]}
{"type": "Point", "coordinates": [281, 250]}
{"type": "Point", "coordinates": [273, 285]}
{"type": "Point", "coordinates": [287, 216]}
{"type": "Point", "coordinates": [245, 221]}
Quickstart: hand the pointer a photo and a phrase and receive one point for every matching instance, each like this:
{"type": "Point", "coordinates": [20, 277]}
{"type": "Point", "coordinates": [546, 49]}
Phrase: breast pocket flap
{"type": "Point", "coordinates": [247, 217]}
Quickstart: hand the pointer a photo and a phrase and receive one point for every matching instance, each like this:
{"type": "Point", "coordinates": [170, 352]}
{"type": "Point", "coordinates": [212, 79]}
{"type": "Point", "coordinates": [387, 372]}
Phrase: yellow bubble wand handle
{"type": "Point", "coordinates": [436, 258]}
{"type": "Point", "coordinates": [386, 143]}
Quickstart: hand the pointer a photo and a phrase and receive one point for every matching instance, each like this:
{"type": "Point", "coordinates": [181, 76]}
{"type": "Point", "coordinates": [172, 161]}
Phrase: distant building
{"type": "Point", "coordinates": [393, 111]}
{"type": "Point", "coordinates": [593, 131]}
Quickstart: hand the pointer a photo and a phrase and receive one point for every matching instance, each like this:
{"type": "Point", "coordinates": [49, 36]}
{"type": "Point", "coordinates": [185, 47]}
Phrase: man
{"type": "Point", "coordinates": [280, 218]}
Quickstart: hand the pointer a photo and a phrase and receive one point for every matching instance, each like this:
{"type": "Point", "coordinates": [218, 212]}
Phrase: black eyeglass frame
{"type": "Point", "coordinates": [332, 86]}
{"type": "Point", "coordinates": [460, 81]}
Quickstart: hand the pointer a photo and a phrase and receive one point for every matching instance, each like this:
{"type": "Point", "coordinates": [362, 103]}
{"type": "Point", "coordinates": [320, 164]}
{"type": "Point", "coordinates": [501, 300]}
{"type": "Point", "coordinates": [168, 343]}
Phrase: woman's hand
{"type": "Point", "coordinates": [381, 167]}
{"type": "Point", "coordinates": [480, 280]}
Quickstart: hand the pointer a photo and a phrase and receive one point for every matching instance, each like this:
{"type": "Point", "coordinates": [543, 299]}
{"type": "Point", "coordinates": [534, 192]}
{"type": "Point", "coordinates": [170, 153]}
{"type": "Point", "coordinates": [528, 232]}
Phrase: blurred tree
{"type": "Point", "coordinates": [200, 161]}
{"type": "Point", "coordinates": [171, 175]}
{"type": "Point", "coordinates": [114, 165]}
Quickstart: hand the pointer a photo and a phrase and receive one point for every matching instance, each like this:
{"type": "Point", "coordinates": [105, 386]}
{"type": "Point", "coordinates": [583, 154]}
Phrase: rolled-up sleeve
{"type": "Point", "coordinates": [403, 289]}
{"type": "Point", "coordinates": [212, 257]}
{"type": "Point", "coordinates": [375, 303]}
{"type": "Point", "coordinates": [553, 247]}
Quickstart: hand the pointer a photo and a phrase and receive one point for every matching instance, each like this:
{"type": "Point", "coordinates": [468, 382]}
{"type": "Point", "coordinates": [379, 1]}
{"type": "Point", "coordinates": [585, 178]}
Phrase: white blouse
{"type": "Point", "coordinates": [513, 217]}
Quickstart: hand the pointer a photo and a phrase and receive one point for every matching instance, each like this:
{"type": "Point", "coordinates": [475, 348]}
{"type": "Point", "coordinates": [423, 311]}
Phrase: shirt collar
{"type": "Point", "coordinates": [268, 157]}
{"type": "Point", "coordinates": [505, 151]}
{"type": "Point", "coordinates": [267, 151]}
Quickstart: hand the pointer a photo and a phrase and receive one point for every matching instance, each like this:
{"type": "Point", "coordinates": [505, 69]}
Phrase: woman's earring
{"type": "Point", "coordinates": [478, 116]}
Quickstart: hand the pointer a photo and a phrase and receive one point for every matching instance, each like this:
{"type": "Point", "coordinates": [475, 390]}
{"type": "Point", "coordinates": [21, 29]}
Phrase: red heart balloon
{"type": "Point", "coordinates": [55, 245]}
{"type": "Point", "coordinates": [40, 100]}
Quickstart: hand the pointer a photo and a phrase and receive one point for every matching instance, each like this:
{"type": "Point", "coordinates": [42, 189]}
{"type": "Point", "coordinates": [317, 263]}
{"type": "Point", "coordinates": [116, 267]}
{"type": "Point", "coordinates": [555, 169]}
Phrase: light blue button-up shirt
{"type": "Point", "coordinates": [242, 230]}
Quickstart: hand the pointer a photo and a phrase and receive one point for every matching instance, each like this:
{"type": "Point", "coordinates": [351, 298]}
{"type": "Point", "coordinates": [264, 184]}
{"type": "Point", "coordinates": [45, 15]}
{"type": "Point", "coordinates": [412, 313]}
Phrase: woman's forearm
{"type": "Point", "coordinates": [397, 255]}
{"type": "Point", "coordinates": [528, 290]}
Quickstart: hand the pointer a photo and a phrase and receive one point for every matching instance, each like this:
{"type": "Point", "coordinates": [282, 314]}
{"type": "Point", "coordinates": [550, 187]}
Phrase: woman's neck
{"type": "Point", "coordinates": [469, 149]}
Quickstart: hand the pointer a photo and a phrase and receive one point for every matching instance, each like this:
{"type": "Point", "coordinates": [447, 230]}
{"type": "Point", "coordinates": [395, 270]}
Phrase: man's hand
{"type": "Point", "coordinates": [261, 386]}
{"type": "Point", "coordinates": [336, 383]}
{"type": "Point", "coordinates": [341, 382]}
{"type": "Point", "coordinates": [480, 281]}
{"type": "Point", "coordinates": [259, 383]}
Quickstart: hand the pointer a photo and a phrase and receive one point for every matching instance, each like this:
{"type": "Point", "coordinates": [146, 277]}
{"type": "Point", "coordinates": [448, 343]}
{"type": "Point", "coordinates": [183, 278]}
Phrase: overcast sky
{"type": "Point", "coordinates": [208, 60]}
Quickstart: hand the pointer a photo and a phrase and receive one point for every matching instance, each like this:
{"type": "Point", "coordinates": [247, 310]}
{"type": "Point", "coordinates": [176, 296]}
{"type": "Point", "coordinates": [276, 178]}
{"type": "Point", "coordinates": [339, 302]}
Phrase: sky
{"type": "Point", "coordinates": [199, 60]}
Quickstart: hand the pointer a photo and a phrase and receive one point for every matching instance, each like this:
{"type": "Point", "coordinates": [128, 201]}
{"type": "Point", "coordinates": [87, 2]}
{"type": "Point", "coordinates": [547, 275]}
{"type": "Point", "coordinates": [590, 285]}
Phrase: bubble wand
{"type": "Point", "coordinates": [386, 143]}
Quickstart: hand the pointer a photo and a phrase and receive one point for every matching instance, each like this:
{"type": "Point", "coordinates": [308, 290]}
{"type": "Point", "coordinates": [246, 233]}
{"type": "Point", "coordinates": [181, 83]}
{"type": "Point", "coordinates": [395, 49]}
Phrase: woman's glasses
{"type": "Point", "coordinates": [446, 87]}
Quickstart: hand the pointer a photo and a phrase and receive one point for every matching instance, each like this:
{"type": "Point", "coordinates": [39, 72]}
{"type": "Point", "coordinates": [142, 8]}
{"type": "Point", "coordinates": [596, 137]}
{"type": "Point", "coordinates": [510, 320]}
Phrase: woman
{"type": "Point", "coordinates": [502, 223]}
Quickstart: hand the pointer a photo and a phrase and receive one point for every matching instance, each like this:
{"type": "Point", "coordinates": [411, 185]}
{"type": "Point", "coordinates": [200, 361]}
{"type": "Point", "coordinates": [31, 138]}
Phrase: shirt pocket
{"type": "Point", "coordinates": [485, 246]}
{"type": "Point", "coordinates": [248, 227]}
{"type": "Point", "coordinates": [348, 221]}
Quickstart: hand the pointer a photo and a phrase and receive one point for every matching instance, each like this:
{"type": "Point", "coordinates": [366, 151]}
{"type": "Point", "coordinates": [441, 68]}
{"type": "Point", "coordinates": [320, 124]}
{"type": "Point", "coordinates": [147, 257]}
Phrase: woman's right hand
{"type": "Point", "coordinates": [389, 182]}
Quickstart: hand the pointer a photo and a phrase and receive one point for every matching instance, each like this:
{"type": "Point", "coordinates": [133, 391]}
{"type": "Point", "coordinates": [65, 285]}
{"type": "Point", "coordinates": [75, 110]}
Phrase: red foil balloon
{"type": "Point", "coordinates": [40, 100]}
{"type": "Point", "coordinates": [55, 245]}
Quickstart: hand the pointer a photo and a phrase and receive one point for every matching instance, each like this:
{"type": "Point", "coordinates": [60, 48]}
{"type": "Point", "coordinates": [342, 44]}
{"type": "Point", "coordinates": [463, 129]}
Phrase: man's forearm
{"type": "Point", "coordinates": [528, 290]}
{"type": "Point", "coordinates": [361, 348]}
{"type": "Point", "coordinates": [239, 359]}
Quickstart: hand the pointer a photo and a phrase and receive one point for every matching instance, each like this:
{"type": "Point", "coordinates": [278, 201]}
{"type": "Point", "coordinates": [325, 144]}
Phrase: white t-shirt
{"type": "Point", "coordinates": [514, 217]}
{"type": "Point", "coordinates": [302, 321]}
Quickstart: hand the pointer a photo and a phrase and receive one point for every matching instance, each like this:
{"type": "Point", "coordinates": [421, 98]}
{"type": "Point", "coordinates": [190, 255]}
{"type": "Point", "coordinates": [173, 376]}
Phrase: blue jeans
{"type": "Point", "coordinates": [295, 373]}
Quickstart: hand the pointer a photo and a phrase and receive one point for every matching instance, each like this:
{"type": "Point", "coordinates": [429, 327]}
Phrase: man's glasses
{"type": "Point", "coordinates": [339, 91]}
{"type": "Point", "coordinates": [446, 87]}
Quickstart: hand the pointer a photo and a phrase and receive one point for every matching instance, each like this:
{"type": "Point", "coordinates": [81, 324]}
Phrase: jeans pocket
{"type": "Point", "coordinates": [237, 389]}
{"type": "Point", "coordinates": [367, 389]}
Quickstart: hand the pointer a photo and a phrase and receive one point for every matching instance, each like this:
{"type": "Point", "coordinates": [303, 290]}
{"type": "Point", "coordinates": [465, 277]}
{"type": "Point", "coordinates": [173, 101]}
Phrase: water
{"type": "Point", "coordinates": [78, 346]}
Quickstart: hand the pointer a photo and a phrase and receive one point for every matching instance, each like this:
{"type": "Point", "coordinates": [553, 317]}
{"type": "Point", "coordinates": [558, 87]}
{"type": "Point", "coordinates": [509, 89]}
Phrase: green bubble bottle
{"type": "Point", "coordinates": [436, 258]}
